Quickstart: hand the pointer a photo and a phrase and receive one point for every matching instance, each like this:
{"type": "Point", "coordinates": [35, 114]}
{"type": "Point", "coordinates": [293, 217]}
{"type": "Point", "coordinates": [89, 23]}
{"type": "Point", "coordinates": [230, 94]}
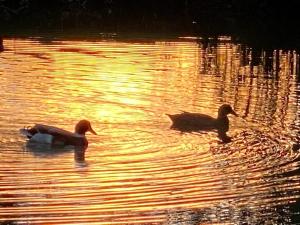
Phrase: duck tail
{"type": "Point", "coordinates": [172, 117]}
{"type": "Point", "coordinates": [169, 115]}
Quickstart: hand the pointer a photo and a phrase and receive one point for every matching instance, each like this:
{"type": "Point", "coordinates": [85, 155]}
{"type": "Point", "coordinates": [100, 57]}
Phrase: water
{"type": "Point", "coordinates": [138, 170]}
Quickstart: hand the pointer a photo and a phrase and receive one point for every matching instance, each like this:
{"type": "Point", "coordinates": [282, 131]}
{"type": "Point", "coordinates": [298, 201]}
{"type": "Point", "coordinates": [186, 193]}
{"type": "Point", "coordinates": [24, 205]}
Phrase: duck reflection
{"type": "Point", "coordinates": [45, 151]}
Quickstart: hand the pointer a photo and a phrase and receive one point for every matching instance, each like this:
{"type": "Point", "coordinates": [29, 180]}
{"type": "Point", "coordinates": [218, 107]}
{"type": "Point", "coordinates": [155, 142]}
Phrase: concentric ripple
{"type": "Point", "coordinates": [138, 170]}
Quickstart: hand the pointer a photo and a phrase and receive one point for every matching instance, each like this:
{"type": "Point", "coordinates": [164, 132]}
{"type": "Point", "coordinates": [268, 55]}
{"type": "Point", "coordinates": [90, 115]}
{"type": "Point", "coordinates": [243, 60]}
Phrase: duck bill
{"type": "Point", "coordinates": [92, 131]}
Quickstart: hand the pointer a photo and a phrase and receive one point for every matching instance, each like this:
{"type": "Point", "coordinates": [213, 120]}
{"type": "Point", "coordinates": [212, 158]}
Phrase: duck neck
{"type": "Point", "coordinates": [222, 116]}
{"type": "Point", "coordinates": [80, 133]}
{"type": "Point", "coordinates": [222, 124]}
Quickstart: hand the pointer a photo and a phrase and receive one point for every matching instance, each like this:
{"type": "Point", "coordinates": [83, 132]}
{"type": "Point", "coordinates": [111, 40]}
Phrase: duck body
{"type": "Point", "coordinates": [192, 122]}
{"type": "Point", "coordinates": [195, 122]}
{"type": "Point", "coordinates": [45, 134]}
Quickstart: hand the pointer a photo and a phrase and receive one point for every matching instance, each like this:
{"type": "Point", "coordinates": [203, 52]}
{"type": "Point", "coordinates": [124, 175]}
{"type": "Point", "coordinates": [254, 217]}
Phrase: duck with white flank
{"type": "Point", "coordinates": [195, 122]}
{"type": "Point", "coordinates": [45, 134]}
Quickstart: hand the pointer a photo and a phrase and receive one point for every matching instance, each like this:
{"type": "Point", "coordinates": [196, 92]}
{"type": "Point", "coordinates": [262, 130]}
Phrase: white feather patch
{"type": "Point", "coordinates": [25, 132]}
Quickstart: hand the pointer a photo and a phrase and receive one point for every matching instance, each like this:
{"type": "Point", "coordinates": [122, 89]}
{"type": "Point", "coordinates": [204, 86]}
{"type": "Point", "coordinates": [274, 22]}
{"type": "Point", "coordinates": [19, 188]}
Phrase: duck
{"type": "Point", "coordinates": [195, 122]}
{"type": "Point", "coordinates": [45, 134]}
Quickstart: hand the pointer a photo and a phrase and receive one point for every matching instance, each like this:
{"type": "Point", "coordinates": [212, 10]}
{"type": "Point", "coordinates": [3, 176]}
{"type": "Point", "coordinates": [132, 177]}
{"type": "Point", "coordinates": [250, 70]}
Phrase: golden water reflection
{"type": "Point", "coordinates": [138, 170]}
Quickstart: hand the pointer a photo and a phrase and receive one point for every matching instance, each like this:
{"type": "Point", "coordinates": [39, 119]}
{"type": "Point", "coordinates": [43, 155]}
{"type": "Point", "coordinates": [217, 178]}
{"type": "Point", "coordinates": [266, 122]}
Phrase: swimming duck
{"type": "Point", "coordinates": [45, 134]}
{"type": "Point", "coordinates": [189, 122]}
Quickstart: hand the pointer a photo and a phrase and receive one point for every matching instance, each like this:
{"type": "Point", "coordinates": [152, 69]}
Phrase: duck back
{"type": "Point", "coordinates": [187, 121]}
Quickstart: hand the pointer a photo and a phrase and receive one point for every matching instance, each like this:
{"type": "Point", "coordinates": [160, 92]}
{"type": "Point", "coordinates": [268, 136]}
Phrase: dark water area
{"type": "Point", "coordinates": [138, 170]}
{"type": "Point", "coordinates": [263, 24]}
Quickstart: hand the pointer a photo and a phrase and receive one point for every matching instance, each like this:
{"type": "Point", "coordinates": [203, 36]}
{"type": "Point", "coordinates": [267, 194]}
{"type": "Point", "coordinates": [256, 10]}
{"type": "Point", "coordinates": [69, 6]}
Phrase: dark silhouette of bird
{"type": "Point", "coordinates": [195, 122]}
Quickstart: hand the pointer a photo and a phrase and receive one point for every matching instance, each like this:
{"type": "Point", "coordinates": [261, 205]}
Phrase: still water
{"type": "Point", "coordinates": [138, 170]}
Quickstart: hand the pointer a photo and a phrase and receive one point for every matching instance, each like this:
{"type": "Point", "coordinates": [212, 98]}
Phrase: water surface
{"type": "Point", "coordinates": [138, 170]}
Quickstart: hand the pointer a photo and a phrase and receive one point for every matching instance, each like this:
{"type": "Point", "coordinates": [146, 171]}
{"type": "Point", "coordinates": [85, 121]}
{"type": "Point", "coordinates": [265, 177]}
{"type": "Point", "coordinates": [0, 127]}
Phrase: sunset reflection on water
{"type": "Point", "coordinates": [138, 170]}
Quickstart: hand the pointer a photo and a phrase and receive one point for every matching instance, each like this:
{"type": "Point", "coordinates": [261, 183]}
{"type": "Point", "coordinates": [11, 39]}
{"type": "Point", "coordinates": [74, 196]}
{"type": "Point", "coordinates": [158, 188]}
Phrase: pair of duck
{"type": "Point", "coordinates": [185, 122]}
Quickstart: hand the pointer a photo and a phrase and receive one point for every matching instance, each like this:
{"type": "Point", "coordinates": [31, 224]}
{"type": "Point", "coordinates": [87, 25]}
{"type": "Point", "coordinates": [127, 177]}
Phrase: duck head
{"type": "Point", "coordinates": [84, 126]}
{"type": "Point", "coordinates": [224, 110]}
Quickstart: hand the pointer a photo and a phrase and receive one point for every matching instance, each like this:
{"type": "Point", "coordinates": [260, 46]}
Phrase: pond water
{"type": "Point", "coordinates": [137, 170]}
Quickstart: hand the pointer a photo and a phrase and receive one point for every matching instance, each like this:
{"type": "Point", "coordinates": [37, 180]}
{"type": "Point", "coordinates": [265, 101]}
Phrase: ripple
{"type": "Point", "coordinates": [138, 170]}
